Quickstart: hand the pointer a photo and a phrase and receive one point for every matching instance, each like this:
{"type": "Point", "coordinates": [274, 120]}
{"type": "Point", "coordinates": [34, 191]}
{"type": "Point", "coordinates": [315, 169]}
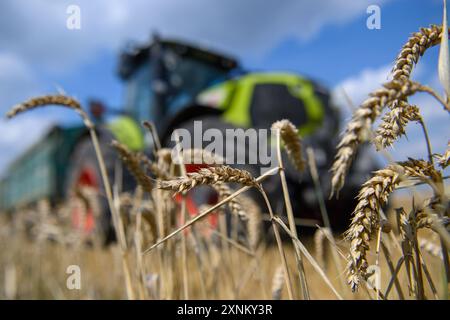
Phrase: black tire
{"type": "Point", "coordinates": [83, 157]}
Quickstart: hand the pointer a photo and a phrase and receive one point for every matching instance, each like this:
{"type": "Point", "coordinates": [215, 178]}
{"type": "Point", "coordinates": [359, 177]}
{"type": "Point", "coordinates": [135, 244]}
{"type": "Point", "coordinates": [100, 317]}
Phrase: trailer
{"type": "Point", "coordinates": [41, 171]}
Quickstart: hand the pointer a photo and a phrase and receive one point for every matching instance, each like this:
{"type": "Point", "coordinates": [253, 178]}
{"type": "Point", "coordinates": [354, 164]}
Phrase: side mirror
{"type": "Point", "coordinates": [97, 109]}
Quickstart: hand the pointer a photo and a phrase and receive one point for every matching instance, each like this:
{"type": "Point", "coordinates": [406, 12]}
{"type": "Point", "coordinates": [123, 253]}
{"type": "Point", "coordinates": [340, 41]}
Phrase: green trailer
{"type": "Point", "coordinates": [41, 171]}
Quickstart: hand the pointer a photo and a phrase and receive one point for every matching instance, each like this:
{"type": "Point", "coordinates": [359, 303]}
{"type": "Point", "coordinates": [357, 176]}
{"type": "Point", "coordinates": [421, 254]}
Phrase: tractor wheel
{"type": "Point", "coordinates": [84, 173]}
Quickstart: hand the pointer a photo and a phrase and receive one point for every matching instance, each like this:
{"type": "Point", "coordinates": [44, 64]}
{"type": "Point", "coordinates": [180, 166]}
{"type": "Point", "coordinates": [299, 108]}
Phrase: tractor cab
{"type": "Point", "coordinates": [165, 76]}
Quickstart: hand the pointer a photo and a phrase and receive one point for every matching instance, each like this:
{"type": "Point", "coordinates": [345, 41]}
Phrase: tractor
{"type": "Point", "coordinates": [176, 84]}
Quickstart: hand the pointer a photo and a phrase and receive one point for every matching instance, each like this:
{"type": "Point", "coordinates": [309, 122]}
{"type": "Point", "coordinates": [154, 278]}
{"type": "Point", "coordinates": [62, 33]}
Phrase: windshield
{"type": "Point", "coordinates": [185, 78]}
{"type": "Point", "coordinates": [139, 97]}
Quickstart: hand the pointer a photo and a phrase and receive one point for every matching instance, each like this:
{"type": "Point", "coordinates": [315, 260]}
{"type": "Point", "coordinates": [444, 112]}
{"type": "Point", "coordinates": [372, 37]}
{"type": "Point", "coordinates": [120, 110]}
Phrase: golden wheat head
{"type": "Point", "coordinates": [292, 142]}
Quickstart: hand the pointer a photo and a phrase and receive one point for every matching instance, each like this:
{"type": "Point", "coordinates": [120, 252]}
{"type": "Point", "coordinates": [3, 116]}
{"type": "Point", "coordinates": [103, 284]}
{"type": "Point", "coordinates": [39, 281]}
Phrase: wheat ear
{"type": "Point", "coordinates": [60, 100]}
{"type": "Point", "coordinates": [413, 49]}
{"type": "Point", "coordinates": [132, 162]}
{"type": "Point", "coordinates": [292, 142]}
{"type": "Point", "coordinates": [358, 129]}
{"type": "Point", "coordinates": [235, 207]}
{"type": "Point", "coordinates": [254, 219]}
{"type": "Point", "coordinates": [209, 176]}
{"type": "Point", "coordinates": [444, 159]}
{"type": "Point", "coordinates": [394, 123]}
{"type": "Point", "coordinates": [278, 283]}
{"type": "Point", "coordinates": [372, 196]}
{"type": "Point", "coordinates": [363, 117]}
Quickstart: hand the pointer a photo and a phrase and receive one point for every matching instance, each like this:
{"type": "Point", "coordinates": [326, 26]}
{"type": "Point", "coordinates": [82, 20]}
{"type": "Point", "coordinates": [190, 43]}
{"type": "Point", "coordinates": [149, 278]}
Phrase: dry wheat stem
{"type": "Point", "coordinates": [232, 242]}
{"type": "Point", "coordinates": [308, 256]}
{"type": "Point", "coordinates": [429, 280]}
{"type": "Point", "coordinates": [285, 130]}
{"type": "Point", "coordinates": [120, 233]}
{"type": "Point", "coordinates": [152, 129]}
{"type": "Point", "coordinates": [445, 103]}
{"type": "Point", "coordinates": [281, 250]}
{"type": "Point", "coordinates": [323, 209]}
{"type": "Point", "coordinates": [394, 274]}
{"type": "Point", "coordinates": [183, 236]}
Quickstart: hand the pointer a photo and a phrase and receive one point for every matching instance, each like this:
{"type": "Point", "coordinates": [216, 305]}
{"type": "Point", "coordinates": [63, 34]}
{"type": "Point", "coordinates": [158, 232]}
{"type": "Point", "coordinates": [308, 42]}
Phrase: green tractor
{"type": "Point", "coordinates": [176, 85]}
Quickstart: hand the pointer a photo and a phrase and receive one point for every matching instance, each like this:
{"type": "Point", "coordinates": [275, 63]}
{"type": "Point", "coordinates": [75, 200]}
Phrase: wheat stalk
{"type": "Point", "coordinates": [287, 132]}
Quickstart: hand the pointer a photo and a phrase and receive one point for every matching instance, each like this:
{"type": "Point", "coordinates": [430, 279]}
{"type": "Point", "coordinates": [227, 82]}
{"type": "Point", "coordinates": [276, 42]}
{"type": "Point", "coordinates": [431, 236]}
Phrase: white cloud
{"type": "Point", "coordinates": [354, 90]}
{"type": "Point", "coordinates": [37, 30]}
{"type": "Point", "coordinates": [34, 39]}
{"type": "Point", "coordinates": [358, 88]}
{"type": "Point", "coordinates": [16, 80]}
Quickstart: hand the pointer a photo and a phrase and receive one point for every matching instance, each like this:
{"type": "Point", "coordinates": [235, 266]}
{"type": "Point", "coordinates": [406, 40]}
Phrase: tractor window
{"type": "Point", "coordinates": [139, 95]}
{"type": "Point", "coordinates": [187, 77]}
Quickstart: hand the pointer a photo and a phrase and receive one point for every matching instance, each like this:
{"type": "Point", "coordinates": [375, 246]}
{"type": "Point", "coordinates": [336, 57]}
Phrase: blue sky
{"type": "Point", "coordinates": [325, 39]}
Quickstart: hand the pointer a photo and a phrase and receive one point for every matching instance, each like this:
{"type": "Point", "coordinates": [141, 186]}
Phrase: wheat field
{"type": "Point", "coordinates": [396, 246]}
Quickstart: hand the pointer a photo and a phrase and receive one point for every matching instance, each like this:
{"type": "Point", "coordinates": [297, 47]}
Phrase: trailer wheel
{"type": "Point", "coordinates": [84, 174]}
